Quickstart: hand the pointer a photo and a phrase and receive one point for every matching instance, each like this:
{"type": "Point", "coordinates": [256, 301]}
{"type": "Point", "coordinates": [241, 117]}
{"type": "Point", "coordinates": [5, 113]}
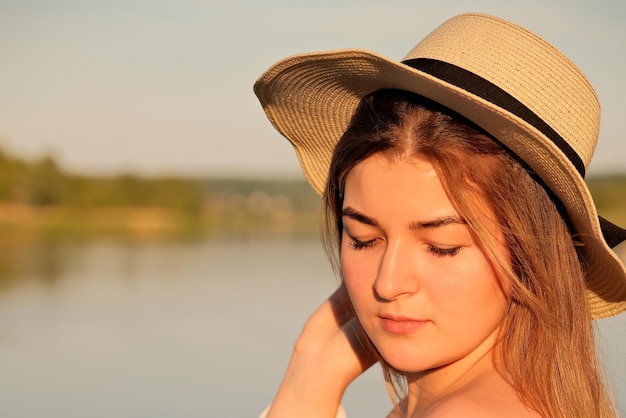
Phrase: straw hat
{"type": "Point", "coordinates": [502, 77]}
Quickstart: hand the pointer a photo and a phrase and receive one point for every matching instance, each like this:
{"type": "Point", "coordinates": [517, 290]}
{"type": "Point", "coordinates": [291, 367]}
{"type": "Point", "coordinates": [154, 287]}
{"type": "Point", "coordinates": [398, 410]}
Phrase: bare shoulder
{"type": "Point", "coordinates": [479, 407]}
{"type": "Point", "coordinates": [483, 401]}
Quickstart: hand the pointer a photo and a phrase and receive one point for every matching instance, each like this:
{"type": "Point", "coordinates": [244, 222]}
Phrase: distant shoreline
{"type": "Point", "coordinates": [41, 199]}
{"type": "Point", "coordinates": [148, 223]}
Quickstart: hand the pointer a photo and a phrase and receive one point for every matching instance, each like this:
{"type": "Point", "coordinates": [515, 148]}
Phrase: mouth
{"type": "Point", "coordinates": [398, 325]}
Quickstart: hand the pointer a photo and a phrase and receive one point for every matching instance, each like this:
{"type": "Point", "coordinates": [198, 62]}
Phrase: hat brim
{"type": "Point", "coordinates": [310, 99]}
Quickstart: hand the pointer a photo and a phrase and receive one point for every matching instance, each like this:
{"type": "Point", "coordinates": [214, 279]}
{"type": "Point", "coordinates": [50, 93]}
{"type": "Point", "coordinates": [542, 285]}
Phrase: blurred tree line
{"type": "Point", "coordinates": [44, 183]}
{"type": "Point", "coordinates": [62, 201]}
{"type": "Point", "coordinates": [609, 194]}
{"type": "Point", "coordinates": [41, 196]}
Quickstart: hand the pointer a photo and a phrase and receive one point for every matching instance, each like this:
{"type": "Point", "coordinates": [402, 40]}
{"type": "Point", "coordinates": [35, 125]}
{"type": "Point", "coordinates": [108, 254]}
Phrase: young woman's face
{"type": "Point", "coordinates": [421, 286]}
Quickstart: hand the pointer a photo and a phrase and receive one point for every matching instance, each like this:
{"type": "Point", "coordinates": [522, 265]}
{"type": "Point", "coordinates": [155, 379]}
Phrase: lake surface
{"type": "Point", "coordinates": [189, 329]}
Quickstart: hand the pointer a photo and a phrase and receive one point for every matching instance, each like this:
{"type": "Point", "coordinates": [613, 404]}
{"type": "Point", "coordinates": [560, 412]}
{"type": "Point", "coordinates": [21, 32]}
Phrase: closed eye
{"type": "Point", "coordinates": [443, 252]}
{"type": "Point", "coordinates": [359, 245]}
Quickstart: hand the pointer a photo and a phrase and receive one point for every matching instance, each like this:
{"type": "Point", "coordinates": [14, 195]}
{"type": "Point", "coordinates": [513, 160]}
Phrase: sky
{"type": "Point", "coordinates": [159, 87]}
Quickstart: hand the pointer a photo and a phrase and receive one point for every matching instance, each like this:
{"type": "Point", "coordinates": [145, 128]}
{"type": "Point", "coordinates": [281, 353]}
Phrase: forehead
{"type": "Point", "coordinates": [396, 185]}
{"type": "Point", "coordinates": [413, 187]}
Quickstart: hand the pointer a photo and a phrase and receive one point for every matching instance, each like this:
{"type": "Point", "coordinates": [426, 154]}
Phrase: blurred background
{"type": "Point", "coordinates": [159, 247]}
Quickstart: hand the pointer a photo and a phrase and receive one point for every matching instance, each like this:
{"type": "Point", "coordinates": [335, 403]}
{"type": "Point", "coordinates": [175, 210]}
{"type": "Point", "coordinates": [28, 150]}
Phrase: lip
{"type": "Point", "coordinates": [400, 325]}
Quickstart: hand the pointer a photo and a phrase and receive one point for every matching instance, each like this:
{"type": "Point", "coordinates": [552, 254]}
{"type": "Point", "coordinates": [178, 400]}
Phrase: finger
{"type": "Point", "coordinates": [341, 305]}
{"type": "Point", "coordinates": [360, 343]}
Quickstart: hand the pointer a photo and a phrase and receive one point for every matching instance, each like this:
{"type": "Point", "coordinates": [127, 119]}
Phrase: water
{"type": "Point", "coordinates": [110, 329]}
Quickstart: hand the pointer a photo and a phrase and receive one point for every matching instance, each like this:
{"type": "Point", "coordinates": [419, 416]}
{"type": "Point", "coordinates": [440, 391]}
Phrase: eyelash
{"type": "Point", "coordinates": [437, 251]}
{"type": "Point", "coordinates": [443, 252]}
{"type": "Point", "coordinates": [359, 245]}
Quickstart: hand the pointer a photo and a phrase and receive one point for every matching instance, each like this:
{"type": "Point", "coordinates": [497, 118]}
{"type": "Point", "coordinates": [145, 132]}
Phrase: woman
{"type": "Point", "coordinates": [471, 255]}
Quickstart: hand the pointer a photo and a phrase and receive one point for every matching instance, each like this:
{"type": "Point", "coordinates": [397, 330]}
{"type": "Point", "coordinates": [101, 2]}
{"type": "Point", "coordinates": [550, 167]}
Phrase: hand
{"type": "Point", "coordinates": [333, 338]}
{"type": "Point", "coordinates": [329, 354]}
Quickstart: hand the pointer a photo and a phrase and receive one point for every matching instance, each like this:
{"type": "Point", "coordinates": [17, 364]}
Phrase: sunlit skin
{"type": "Point", "coordinates": [421, 285]}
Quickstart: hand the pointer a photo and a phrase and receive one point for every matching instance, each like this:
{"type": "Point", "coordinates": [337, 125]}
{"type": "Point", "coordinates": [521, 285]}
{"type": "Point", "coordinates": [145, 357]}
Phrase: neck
{"type": "Point", "coordinates": [426, 389]}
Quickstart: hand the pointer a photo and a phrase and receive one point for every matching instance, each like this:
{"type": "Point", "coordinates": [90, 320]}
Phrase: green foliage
{"type": "Point", "coordinates": [609, 191]}
{"type": "Point", "coordinates": [44, 198]}
{"type": "Point", "coordinates": [14, 176]}
{"type": "Point", "coordinates": [44, 183]}
{"type": "Point", "coordinates": [609, 194]}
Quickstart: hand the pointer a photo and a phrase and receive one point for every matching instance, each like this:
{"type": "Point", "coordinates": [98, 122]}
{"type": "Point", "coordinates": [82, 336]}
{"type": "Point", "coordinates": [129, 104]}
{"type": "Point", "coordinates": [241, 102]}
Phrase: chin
{"type": "Point", "coordinates": [411, 367]}
{"type": "Point", "coordinates": [409, 361]}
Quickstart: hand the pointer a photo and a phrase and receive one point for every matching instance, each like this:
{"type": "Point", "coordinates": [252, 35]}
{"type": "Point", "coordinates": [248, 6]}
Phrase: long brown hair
{"type": "Point", "coordinates": [547, 350]}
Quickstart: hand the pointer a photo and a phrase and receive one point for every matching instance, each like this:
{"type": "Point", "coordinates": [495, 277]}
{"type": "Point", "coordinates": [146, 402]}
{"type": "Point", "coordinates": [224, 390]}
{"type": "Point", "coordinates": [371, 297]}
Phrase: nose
{"type": "Point", "coordinates": [398, 271]}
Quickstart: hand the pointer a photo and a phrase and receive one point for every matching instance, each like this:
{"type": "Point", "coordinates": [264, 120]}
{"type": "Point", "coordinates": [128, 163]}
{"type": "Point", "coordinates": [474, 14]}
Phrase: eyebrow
{"type": "Point", "coordinates": [358, 216]}
{"type": "Point", "coordinates": [436, 222]}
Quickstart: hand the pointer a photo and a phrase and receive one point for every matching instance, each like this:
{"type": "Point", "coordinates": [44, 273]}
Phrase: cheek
{"type": "Point", "coordinates": [358, 275]}
{"type": "Point", "coordinates": [350, 271]}
{"type": "Point", "coordinates": [473, 297]}
{"type": "Point", "coordinates": [473, 293]}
